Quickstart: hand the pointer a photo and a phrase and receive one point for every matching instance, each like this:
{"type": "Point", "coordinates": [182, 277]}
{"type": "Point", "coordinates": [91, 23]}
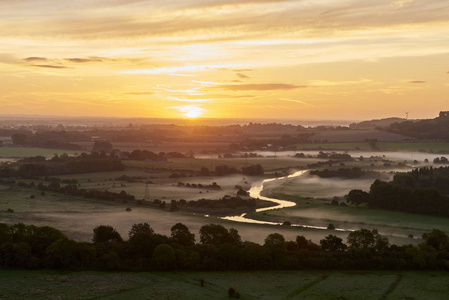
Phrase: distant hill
{"type": "Point", "coordinates": [371, 124]}
{"type": "Point", "coordinates": [358, 135]}
{"type": "Point", "coordinates": [429, 129]}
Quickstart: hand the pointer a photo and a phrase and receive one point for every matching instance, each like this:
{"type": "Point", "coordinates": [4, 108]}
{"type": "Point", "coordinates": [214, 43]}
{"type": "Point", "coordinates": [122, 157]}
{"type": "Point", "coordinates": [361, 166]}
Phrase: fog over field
{"type": "Point", "coordinates": [393, 155]}
{"type": "Point", "coordinates": [314, 186]}
{"type": "Point", "coordinates": [77, 219]}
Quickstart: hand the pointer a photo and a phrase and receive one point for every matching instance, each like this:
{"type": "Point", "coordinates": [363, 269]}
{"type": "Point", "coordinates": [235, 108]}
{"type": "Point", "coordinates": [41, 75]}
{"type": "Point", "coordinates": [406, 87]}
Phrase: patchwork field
{"type": "Point", "coordinates": [77, 217]}
{"type": "Point", "coordinates": [268, 163]}
{"type": "Point", "coordinates": [17, 284]}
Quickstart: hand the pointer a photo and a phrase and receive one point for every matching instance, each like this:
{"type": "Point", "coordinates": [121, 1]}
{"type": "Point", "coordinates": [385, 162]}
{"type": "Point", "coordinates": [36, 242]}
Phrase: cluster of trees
{"type": "Point", "coordinates": [213, 186]}
{"type": "Point", "coordinates": [148, 155]}
{"type": "Point", "coordinates": [253, 170]}
{"type": "Point", "coordinates": [342, 172]}
{"type": "Point", "coordinates": [287, 142]}
{"type": "Point", "coordinates": [225, 202]}
{"type": "Point", "coordinates": [74, 190]}
{"type": "Point", "coordinates": [442, 160]}
{"type": "Point", "coordinates": [28, 246]}
{"type": "Point", "coordinates": [423, 129]}
{"type": "Point", "coordinates": [225, 170]}
{"type": "Point", "coordinates": [388, 196]}
{"type": "Point", "coordinates": [421, 191]}
{"type": "Point", "coordinates": [427, 177]}
{"type": "Point", "coordinates": [216, 207]}
{"type": "Point", "coordinates": [50, 139]}
{"type": "Point", "coordinates": [334, 156]}
{"type": "Point", "coordinates": [132, 178]}
{"type": "Point", "coordinates": [64, 164]}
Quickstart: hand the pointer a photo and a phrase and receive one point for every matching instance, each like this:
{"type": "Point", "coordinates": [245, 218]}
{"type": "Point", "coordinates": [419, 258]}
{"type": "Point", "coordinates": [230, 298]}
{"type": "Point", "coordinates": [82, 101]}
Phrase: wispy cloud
{"type": "Point", "coordinates": [417, 81]}
{"type": "Point", "coordinates": [218, 96]}
{"type": "Point", "coordinates": [146, 52]}
{"type": "Point", "coordinates": [140, 93]}
{"type": "Point", "coordinates": [241, 75]}
{"type": "Point", "coordinates": [258, 87]}
{"type": "Point", "coordinates": [50, 66]}
{"type": "Point", "coordinates": [402, 2]}
{"type": "Point", "coordinates": [84, 60]}
{"type": "Point", "coordinates": [295, 101]}
{"type": "Point", "coordinates": [35, 59]}
{"type": "Point", "coordinates": [213, 19]}
{"type": "Point", "coordinates": [336, 83]}
{"type": "Point", "coordinates": [174, 70]}
{"type": "Point", "coordinates": [185, 75]}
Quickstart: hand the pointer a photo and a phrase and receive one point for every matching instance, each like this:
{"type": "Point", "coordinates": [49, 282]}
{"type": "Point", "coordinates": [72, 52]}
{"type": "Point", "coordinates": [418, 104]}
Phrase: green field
{"type": "Point", "coordinates": [382, 146]}
{"type": "Point", "coordinates": [77, 217]}
{"type": "Point", "coordinates": [268, 163]}
{"type": "Point", "coordinates": [427, 146]}
{"type": "Point", "coordinates": [317, 212]}
{"type": "Point", "coordinates": [18, 284]}
{"type": "Point", "coordinates": [162, 187]}
{"type": "Point", "coordinates": [17, 152]}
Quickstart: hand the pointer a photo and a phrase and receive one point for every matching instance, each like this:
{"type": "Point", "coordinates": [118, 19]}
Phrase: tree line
{"type": "Point", "coordinates": [29, 246]}
{"type": "Point", "coordinates": [62, 164]}
{"type": "Point", "coordinates": [342, 172]}
{"type": "Point", "coordinates": [428, 129]}
{"type": "Point", "coordinates": [421, 191]}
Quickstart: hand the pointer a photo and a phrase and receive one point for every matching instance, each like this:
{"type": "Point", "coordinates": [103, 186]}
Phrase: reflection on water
{"type": "Point", "coordinates": [257, 187]}
{"type": "Point", "coordinates": [255, 192]}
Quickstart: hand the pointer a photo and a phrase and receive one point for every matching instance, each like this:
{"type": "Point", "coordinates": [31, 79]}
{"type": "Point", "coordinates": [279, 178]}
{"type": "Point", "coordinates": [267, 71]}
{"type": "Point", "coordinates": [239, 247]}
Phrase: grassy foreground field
{"type": "Point", "coordinates": [18, 284]}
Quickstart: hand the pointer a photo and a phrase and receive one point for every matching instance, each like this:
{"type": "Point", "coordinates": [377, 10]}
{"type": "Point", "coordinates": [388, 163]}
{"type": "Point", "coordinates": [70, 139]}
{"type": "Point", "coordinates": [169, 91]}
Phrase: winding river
{"type": "Point", "coordinates": [255, 192]}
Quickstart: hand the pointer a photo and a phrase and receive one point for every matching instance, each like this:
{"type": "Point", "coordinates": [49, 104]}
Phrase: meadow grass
{"type": "Point", "coordinates": [42, 284]}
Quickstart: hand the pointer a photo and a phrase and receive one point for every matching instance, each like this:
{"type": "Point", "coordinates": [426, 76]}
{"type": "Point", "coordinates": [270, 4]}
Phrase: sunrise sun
{"type": "Point", "coordinates": [190, 111]}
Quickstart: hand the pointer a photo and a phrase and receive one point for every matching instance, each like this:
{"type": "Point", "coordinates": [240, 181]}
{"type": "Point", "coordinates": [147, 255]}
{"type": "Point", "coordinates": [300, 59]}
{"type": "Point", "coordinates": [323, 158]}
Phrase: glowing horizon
{"type": "Point", "coordinates": [196, 58]}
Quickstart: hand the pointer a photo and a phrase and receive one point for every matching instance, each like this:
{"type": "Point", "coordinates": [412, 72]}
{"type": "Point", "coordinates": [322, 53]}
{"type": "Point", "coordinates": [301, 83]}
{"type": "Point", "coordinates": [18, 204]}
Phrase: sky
{"type": "Point", "coordinates": [303, 59]}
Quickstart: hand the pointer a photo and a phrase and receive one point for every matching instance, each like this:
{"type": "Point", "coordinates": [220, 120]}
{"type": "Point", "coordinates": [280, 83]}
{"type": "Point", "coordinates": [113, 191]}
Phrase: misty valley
{"type": "Point", "coordinates": [109, 195]}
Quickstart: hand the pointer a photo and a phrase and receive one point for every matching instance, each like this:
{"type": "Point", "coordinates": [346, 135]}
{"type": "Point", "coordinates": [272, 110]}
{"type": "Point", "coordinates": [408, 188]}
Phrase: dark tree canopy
{"type": "Point", "coordinates": [215, 234]}
{"type": "Point", "coordinates": [29, 246]}
{"type": "Point", "coordinates": [140, 229]}
{"type": "Point", "coordinates": [332, 243]}
{"type": "Point", "coordinates": [361, 239]}
{"type": "Point", "coordinates": [181, 234]}
{"type": "Point", "coordinates": [106, 234]}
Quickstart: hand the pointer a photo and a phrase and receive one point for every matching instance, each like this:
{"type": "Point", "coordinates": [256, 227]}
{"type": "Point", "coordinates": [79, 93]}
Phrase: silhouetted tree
{"type": "Point", "coordinates": [332, 243]}
{"type": "Point", "coordinates": [106, 234]}
{"type": "Point", "coordinates": [180, 234]}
